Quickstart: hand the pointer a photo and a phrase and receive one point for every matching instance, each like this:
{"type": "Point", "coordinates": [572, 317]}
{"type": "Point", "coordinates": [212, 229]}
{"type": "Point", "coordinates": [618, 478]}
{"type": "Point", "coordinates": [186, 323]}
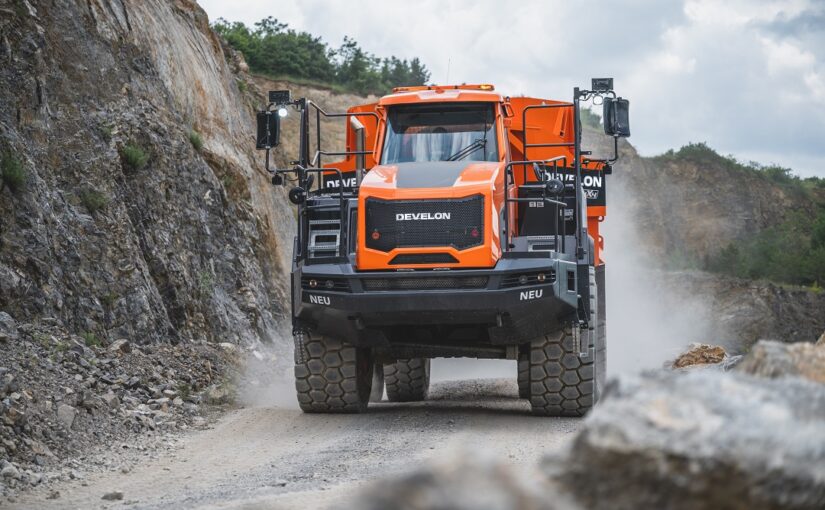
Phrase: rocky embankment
{"type": "Point", "coordinates": [749, 438]}
{"type": "Point", "coordinates": [138, 229]}
{"type": "Point", "coordinates": [64, 403]}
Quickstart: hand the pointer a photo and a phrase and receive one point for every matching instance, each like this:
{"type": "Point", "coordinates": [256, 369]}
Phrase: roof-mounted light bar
{"type": "Point", "coordinates": [480, 86]}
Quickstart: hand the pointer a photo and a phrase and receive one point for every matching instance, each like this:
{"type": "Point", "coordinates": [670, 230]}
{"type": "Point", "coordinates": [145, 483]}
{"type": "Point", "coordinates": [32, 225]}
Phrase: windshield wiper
{"type": "Point", "coordinates": [466, 151]}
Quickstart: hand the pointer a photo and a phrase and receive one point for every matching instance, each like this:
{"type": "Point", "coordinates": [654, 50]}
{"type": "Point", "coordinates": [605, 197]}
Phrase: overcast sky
{"type": "Point", "coordinates": [745, 76]}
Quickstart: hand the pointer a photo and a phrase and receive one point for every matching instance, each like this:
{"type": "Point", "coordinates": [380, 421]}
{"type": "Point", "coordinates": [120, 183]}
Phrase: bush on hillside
{"type": "Point", "coordinates": [272, 48]}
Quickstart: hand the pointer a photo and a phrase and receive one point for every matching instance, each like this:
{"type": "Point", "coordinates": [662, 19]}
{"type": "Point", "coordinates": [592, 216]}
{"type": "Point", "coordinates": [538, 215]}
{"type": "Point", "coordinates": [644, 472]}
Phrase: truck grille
{"type": "Point", "coordinates": [425, 283]}
{"type": "Point", "coordinates": [423, 223]}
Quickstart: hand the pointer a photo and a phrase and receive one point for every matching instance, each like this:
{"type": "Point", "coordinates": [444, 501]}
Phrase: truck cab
{"type": "Point", "coordinates": [459, 223]}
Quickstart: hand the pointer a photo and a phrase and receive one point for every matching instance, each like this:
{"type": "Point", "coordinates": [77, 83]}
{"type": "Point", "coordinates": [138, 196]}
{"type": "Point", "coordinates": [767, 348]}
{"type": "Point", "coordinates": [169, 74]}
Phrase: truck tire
{"type": "Point", "coordinates": [524, 371]}
{"type": "Point", "coordinates": [601, 331]}
{"type": "Point", "coordinates": [407, 380]}
{"type": "Point", "coordinates": [561, 382]}
{"type": "Point", "coordinates": [377, 391]}
{"type": "Point", "coordinates": [331, 376]}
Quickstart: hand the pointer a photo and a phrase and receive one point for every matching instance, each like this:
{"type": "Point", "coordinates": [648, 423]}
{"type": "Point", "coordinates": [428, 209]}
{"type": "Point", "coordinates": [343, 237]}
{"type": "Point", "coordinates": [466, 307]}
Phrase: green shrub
{"type": "Point", "coordinates": [196, 140]}
{"type": "Point", "coordinates": [792, 252]}
{"type": "Point", "coordinates": [135, 157]}
{"type": "Point", "coordinates": [91, 340]}
{"type": "Point", "coordinates": [93, 200]}
{"type": "Point", "coordinates": [272, 48]}
{"type": "Point", "coordinates": [205, 282]}
{"type": "Point", "coordinates": [241, 86]}
{"type": "Point", "coordinates": [107, 132]}
{"type": "Point", "coordinates": [12, 173]}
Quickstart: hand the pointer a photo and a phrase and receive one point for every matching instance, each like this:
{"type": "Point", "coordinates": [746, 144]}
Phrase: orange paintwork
{"type": "Point", "coordinates": [553, 125]}
{"type": "Point", "coordinates": [478, 178]}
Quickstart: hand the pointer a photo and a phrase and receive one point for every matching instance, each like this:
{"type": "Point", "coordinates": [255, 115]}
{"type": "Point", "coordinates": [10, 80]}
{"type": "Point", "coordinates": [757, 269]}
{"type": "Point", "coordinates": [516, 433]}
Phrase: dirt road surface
{"type": "Point", "coordinates": [277, 457]}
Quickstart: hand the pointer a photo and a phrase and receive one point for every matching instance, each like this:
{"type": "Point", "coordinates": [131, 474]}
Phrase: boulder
{"type": "Point", "coordinates": [8, 328]}
{"type": "Point", "coordinates": [461, 482]}
{"type": "Point", "coordinates": [776, 359]}
{"type": "Point", "coordinates": [66, 415]}
{"type": "Point", "coordinates": [111, 399]}
{"type": "Point", "coordinates": [700, 354]}
{"type": "Point", "coordinates": [122, 346]}
{"type": "Point", "coordinates": [699, 439]}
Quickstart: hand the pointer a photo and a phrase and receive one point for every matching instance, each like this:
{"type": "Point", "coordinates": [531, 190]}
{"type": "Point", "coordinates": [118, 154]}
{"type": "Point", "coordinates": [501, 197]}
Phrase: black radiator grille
{"type": "Point", "coordinates": [424, 223]}
{"type": "Point", "coordinates": [423, 258]}
{"type": "Point", "coordinates": [425, 283]}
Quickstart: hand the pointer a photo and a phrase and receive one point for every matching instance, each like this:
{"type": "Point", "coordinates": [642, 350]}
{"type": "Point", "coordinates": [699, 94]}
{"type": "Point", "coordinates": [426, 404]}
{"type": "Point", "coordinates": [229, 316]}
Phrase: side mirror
{"type": "Point", "coordinates": [269, 130]}
{"type": "Point", "coordinates": [616, 117]}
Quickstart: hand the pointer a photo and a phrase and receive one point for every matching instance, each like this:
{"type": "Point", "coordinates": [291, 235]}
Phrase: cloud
{"type": "Point", "coordinates": [748, 77]}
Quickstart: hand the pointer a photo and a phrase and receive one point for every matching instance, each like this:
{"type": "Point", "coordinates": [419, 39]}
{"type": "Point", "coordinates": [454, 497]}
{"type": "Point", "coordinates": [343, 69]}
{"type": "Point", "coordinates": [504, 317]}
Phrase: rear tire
{"type": "Point", "coordinates": [524, 371]}
{"type": "Point", "coordinates": [407, 380]}
{"type": "Point", "coordinates": [331, 376]}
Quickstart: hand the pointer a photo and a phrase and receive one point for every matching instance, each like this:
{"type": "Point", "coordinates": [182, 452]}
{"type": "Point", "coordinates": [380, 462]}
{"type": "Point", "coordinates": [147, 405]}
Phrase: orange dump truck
{"type": "Point", "coordinates": [457, 222]}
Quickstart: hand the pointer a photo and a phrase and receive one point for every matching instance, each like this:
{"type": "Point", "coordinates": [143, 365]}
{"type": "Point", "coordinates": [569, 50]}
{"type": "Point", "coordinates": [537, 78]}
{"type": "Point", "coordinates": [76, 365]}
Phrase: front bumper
{"type": "Point", "coordinates": [512, 313]}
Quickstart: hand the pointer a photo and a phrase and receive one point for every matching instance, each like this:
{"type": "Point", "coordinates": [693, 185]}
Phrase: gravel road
{"type": "Point", "coordinates": [278, 457]}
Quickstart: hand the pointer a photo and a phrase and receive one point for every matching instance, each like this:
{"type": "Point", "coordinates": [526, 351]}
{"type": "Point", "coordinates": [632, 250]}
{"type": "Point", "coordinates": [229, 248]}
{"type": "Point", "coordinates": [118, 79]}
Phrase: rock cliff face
{"type": "Point", "coordinates": [144, 213]}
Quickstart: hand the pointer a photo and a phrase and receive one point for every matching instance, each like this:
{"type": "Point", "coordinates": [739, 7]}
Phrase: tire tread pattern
{"type": "Point", "coordinates": [328, 378]}
{"type": "Point", "coordinates": [407, 380]}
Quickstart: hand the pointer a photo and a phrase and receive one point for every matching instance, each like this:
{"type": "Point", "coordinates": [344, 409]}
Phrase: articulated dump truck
{"type": "Point", "coordinates": [457, 222]}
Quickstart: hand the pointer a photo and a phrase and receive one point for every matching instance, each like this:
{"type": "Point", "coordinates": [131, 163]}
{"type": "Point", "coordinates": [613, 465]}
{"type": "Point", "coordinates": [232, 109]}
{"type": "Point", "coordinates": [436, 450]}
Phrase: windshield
{"type": "Point", "coordinates": [440, 132]}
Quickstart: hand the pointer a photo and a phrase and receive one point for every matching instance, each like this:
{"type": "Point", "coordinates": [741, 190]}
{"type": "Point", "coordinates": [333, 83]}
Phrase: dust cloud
{"type": "Point", "coordinates": [266, 379]}
{"type": "Point", "coordinates": [648, 321]}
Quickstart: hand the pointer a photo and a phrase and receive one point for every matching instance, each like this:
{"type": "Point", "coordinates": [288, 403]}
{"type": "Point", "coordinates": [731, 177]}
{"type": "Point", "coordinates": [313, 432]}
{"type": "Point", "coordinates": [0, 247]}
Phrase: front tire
{"type": "Point", "coordinates": [331, 376]}
{"type": "Point", "coordinates": [561, 382]}
{"type": "Point", "coordinates": [407, 380]}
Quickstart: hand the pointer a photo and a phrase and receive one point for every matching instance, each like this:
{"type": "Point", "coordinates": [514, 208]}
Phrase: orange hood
{"type": "Point", "coordinates": [419, 187]}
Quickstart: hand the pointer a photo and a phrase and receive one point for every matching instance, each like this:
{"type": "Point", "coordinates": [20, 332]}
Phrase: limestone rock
{"type": "Point", "coordinates": [121, 346]}
{"type": "Point", "coordinates": [696, 440]}
{"type": "Point", "coordinates": [462, 482]}
{"type": "Point", "coordinates": [700, 354]}
{"type": "Point", "coordinates": [66, 415]}
{"type": "Point", "coordinates": [8, 328]}
{"type": "Point", "coordinates": [777, 359]}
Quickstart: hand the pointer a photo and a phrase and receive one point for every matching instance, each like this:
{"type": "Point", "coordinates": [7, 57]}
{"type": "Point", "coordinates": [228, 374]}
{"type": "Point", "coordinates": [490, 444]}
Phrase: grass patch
{"type": "Point", "coordinates": [108, 299]}
{"type": "Point", "coordinates": [43, 339]}
{"type": "Point", "coordinates": [196, 140]}
{"type": "Point", "coordinates": [93, 200]}
{"type": "Point", "coordinates": [107, 132]}
{"type": "Point", "coordinates": [91, 340]}
{"type": "Point", "coordinates": [134, 156]}
{"type": "Point", "coordinates": [205, 282]}
{"type": "Point", "coordinates": [12, 173]}
{"type": "Point", "coordinates": [241, 86]}
{"type": "Point", "coordinates": [184, 391]}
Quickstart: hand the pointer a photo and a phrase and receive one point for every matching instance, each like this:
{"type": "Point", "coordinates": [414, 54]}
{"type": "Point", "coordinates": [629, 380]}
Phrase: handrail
{"type": "Point", "coordinates": [316, 160]}
{"type": "Point", "coordinates": [343, 238]}
{"type": "Point", "coordinates": [508, 176]}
